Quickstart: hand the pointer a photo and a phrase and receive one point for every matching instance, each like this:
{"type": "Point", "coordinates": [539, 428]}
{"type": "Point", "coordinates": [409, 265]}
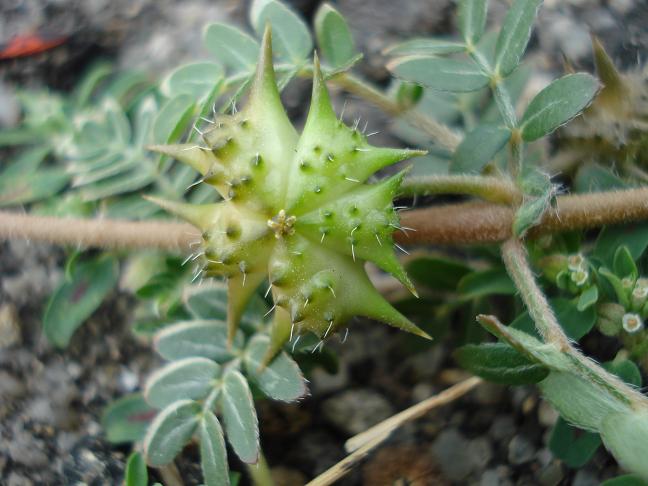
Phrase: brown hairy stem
{"type": "Point", "coordinates": [98, 233]}
{"type": "Point", "coordinates": [464, 223]}
{"type": "Point", "coordinates": [473, 222]}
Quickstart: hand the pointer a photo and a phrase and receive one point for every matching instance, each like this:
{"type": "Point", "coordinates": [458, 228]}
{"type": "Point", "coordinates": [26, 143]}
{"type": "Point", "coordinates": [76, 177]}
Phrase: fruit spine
{"type": "Point", "coordinates": [296, 210]}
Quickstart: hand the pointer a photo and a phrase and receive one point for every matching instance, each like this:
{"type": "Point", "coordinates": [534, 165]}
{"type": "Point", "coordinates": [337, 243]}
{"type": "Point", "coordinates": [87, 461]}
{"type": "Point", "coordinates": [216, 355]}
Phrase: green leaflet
{"type": "Point", "coordinates": [136, 474]}
{"type": "Point", "coordinates": [237, 50]}
{"type": "Point", "coordinates": [334, 37]}
{"type": "Point", "coordinates": [471, 19]}
{"type": "Point", "coordinates": [126, 419]}
{"type": "Point", "coordinates": [479, 147]}
{"type": "Point", "coordinates": [75, 300]}
{"type": "Point", "coordinates": [171, 430]}
{"type": "Point", "coordinates": [440, 73]}
{"type": "Point", "coordinates": [557, 104]}
{"type": "Point", "coordinates": [292, 40]}
{"type": "Point", "coordinates": [281, 379]}
{"type": "Point", "coordinates": [515, 34]}
{"type": "Point", "coordinates": [500, 363]}
{"type": "Point", "coordinates": [213, 455]}
{"type": "Point", "coordinates": [195, 79]}
{"type": "Point", "coordinates": [241, 424]}
{"type": "Point", "coordinates": [190, 378]}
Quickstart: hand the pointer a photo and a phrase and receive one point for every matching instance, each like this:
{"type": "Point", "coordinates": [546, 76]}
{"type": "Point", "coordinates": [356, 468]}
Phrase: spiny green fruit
{"type": "Point", "coordinates": [297, 210]}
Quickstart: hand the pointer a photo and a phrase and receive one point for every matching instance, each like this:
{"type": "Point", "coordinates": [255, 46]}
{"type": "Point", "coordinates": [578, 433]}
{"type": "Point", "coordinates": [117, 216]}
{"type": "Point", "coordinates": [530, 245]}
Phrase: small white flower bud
{"type": "Point", "coordinates": [632, 323]}
{"type": "Point", "coordinates": [576, 262]}
{"type": "Point", "coordinates": [579, 277]}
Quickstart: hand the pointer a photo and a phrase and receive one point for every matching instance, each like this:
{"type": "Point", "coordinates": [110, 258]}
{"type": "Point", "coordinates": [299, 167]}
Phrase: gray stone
{"type": "Point", "coordinates": [10, 387]}
{"type": "Point", "coordinates": [27, 451]}
{"type": "Point", "coordinates": [585, 477]}
{"type": "Point", "coordinates": [354, 411]}
{"type": "Point", "coordinates": [489, 394]}
{"type": "Point", "coordinates": [496, 477]}
{"type": "Point", "coordinates": [520, 450]}
{"type": "Point", "coordinates": [9, 326]}
{"type": "Point", "coordinates": [16, 479]}
{"type": "Point", "coordinates": [452, 452]}
{"type": "Point", "coordinates": [551, 475]}
{"type": "Point", "coordinates": [481, 452]}
{"type": "Point", "coordinates": [503, 428]}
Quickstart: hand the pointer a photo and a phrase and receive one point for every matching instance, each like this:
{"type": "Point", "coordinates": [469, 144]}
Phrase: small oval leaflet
{"type": "Point", "coordinates": [196, 79]}
{"type": "Point", "coordinates": [333, 36]}
{"type": "Point", "coordinates": [237, 50]}
{"type": "Point", "coordinates": [479, 147]}
{"type": "Point", "coordinates": [213, 455]}
{"type": "Point", "coordinates": [204, 338]}
{"type": "Point", "coordinates": [281, 379]}
{"type": "Point", "coordinates": [291, 36]}
{"type": "Point", "coordinates": [557, 104]}
{"type": "Point", "coordinates": [442, 74]}
{"type": "Point", "coordinates": [188, 378]}
{"type": "Point", "coordinates": [240, 417]}
{"type": "Point", "coordinates": [170, 432]}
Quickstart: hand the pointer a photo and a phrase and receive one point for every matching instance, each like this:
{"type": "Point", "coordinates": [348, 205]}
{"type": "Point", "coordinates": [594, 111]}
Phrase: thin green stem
{"type": "Point", "coordinates": [489, 188]}
{"type": "Point", "coordinates": [260, 472]}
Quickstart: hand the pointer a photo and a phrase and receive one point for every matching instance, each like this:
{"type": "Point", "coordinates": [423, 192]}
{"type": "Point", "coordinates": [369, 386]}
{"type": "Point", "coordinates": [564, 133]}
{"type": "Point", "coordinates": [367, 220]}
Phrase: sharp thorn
{"type": "Point", "coordinates": [329, 328]}
{"type": "Point", "coordinates": [295, 343]}
{"type": "Point", "coordinates": [271, 309]}
{"type": "Point", "coordinates": [401, 248]}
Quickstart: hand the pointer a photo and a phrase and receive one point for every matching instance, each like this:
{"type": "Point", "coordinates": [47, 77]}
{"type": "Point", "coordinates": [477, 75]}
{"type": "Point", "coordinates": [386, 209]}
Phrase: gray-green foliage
{"type": "Point", "coordinates": [88, 154]}
{"type": "Point", "coordinates": [206, 379]}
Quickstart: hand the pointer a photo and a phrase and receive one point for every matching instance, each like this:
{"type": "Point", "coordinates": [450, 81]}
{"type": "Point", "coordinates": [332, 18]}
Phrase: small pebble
{"type": "Point", "coordinates": [520, 450]}
{"type": "Point", "coordinates": [547, 415]}
{"type": "Point", "coordinates": [452, 452]}
{"type": "Point", "coordinates": [354, 411]}
{"type": "Point", "coordinates": [9, 326]}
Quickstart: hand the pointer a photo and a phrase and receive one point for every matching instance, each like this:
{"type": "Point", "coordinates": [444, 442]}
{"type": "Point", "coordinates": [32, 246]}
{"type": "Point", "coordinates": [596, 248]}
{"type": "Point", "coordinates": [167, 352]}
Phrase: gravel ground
{"type": "Point", "coordinates": [51, 401]}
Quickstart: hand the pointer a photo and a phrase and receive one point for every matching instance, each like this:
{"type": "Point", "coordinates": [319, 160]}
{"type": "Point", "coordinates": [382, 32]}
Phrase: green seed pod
{"type": "Point", "coordinates": [297, 210]}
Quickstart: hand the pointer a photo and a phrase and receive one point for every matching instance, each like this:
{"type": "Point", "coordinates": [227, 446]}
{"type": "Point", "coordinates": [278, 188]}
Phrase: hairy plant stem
{"type": "Point", "coordinates": [489, 188]}
{"type": "Point", "coordinates": [515, 259]}
{"type": "Point", "coordinates": [454, 224]}
{"type": "Point", "coordinates": [440, 133]}
{"type": "Point", "coordinates": [260, 472]}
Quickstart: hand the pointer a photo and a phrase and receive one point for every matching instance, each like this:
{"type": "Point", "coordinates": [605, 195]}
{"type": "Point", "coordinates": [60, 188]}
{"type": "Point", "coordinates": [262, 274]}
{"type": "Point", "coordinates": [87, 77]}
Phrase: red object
{"type": "Point", "coordinates": [28, 45]}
